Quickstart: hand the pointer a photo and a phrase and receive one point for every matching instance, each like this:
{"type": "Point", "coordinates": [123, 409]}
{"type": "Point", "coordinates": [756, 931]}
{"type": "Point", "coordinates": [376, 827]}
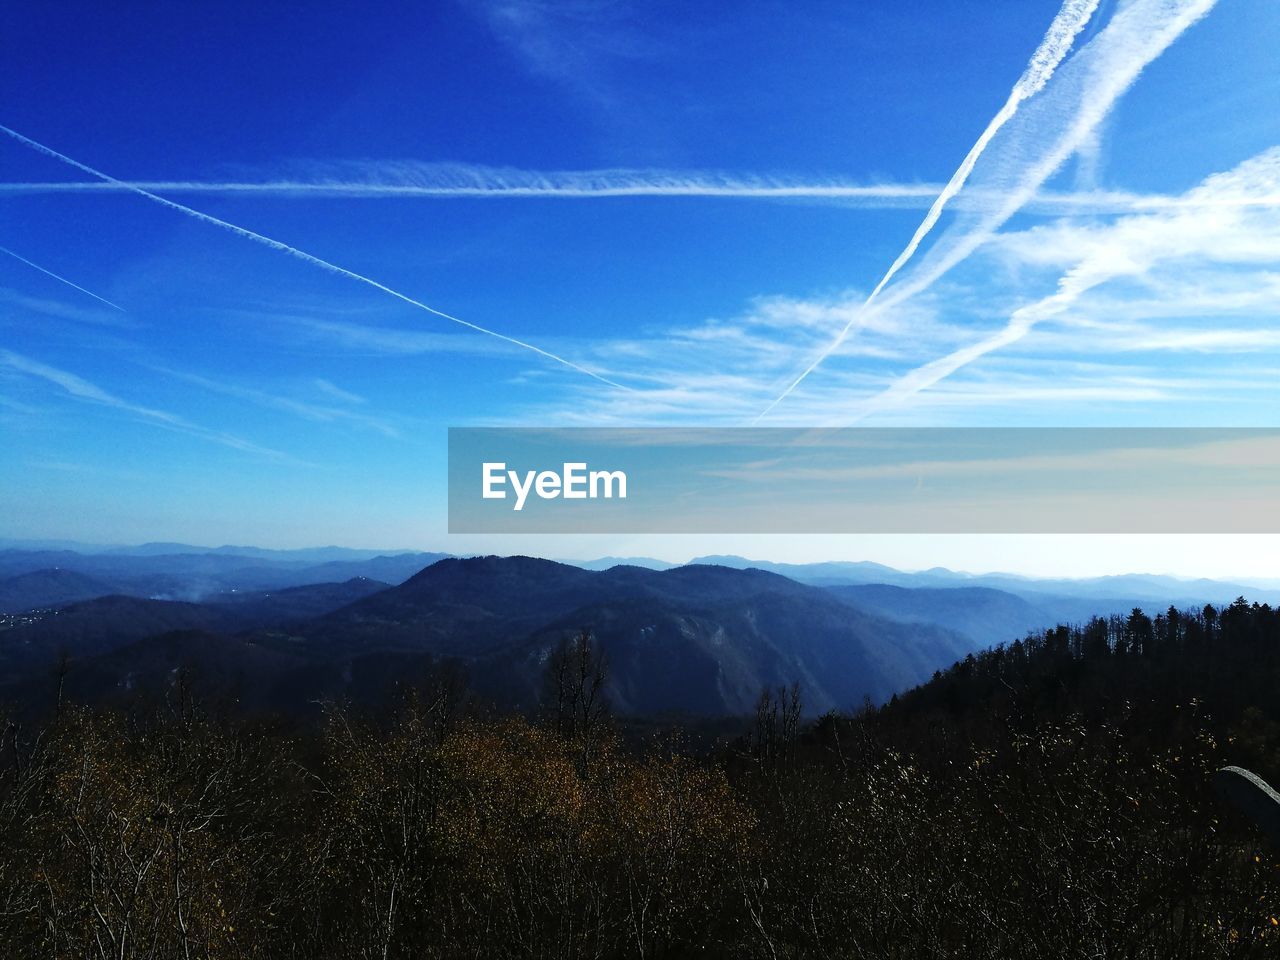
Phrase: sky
{"type": "Point", "coordinates": [254, 262]}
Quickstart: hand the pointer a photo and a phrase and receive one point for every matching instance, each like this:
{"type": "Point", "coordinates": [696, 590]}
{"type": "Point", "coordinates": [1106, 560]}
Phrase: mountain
{"type": "Point", "coordinates": [828, 572]}
{"type": "Point", "coordinates": [263, 608]}
{"type": "Point", "coordinates": [176, 571]}
{"type": "Point", "coordinates": [986, 617]}
{"type": "Point", "coordinates": [254, 677]}
{"type": "Point", "coordinates": [604, 563]}
{"type": "Point", "coordinates": [148, 572]}
{"type": "Point", "coordinates": [1147, 590]}
{"type": "Point", "coordinates": [53, 587]}
{"type": "Point", "coordinates": [305, 555]}
{"type": "Point", "coordinates": [696, 639]}
{"type": "Point", "coordinates": [94, 627]}
{"type": "Point", "coordinates": [700, 639]}
{"type": "Point", "coordinates": [395, 568]}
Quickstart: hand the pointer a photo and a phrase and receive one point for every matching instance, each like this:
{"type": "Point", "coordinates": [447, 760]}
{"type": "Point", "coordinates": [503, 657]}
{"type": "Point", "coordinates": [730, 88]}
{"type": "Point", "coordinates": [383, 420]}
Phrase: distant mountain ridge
{"type": "Point", "coordinates": [49, 588]}
{"type": "Point", "coordinates": [697, 639]}
{"type": "Point", "coordinates": [194, 577]}
{"type": "Point", "coordinates": [700, 638]}
{"type": "Point", "coordinates": [694, 639]}
{"type": "Point", "coordinates": [182, 571]}
{"type": "Point", "coordinates": [1148, 588]}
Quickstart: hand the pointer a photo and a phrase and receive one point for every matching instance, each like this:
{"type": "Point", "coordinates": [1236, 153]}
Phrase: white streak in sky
{"type": "Point", "coordinates": [74, 286]}
{"type": "Point", "coordinates": [1129, 248]}
{"type": "Point", "coordinates": [1107, 67]}
{"type": "Point", "coordinates": [300, 254]}
{"type": "Point", "coordinates": [430, 181]}
{"type": "Point", "coordinates": [401, 179]}
{"type": "Point", "coordinates": [82, 389]}
{"type": "Point", "coordinates": [1066, 26]}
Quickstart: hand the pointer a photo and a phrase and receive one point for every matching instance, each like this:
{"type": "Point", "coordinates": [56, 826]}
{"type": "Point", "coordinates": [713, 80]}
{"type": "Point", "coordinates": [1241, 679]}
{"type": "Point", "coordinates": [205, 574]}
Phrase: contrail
{"type": "Point", "coordinates": [592, 185]}
{"type": "Point", "coordinates": [300, 254]}
{"type": "Point", "coordinates": [82, 389]}
{"type": "Point", "coordinates": [1066, 26]}
{"type": "Point", "coordinates": [1091, 82]}
{"type": "Point", "coordinates": [443, 182]}
{"type": "Point", "coordinates": [1259, 175]}
{"type": "Point", "coordinates": [75, 286]}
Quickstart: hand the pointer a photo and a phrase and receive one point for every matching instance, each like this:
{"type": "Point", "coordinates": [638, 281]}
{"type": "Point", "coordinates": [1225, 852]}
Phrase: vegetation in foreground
{"type": "Point", "coordinates": [1050, 798]}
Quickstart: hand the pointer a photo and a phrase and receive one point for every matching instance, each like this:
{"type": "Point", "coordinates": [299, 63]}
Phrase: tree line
{"type": "Point", "coordinates": [1049, 798]}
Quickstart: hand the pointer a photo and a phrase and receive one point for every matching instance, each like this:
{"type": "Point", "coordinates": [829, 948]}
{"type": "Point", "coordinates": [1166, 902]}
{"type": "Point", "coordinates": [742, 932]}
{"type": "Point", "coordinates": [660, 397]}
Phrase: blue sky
{"type": "Point", "coordinates": [688, 201]}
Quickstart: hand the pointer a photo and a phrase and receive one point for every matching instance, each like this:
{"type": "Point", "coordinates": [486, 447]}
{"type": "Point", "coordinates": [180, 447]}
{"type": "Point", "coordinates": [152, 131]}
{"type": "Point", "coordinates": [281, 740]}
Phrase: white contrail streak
{"type": "Point", "coordinates": [300, 254]}
{"type": "Point", "coordinates": [1100, 74]}
{"type": "Point", "coordinates": [484, 184]}
{"type": "Point", "coordinates": [591, 185]}
{"type": "Point", "coordinates": [1135, 245]}
{"type": "Point", "coordinates": [82, 389]}
{"type": "Point", "coordinates": [1066, 26]}
{"type": "Point", "coordinates": [74, 286]}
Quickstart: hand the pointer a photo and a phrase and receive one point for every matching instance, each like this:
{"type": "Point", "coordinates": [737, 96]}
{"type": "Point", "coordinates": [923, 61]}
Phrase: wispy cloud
{"type": "Point", "coordinates": [1039, 140]}
{"type": "Point", "coordinates": [572, 42]}
{"type": "Point", "coordinates": [94, 316]}
{"type": "Point", "coordinates": [409, 179]}
{"type": "Point", "coordinates": [82, 389]}
{"type": "Point", "coordinates": [1073, 17]}
{"type": "Point", "coordinates": [719, 371]}
{"type": "Point", "coordinates": [304, 256]}
{"type": "Point", "coordinates": [406, 179]}
{"type": "Point", "coordinates": [62, 279]}
{"type": "Point", "coordinates": [1132, 247]}
{"type": "Point", "coordinates": [377, 340]}
{"type": "Point", "coordinates": [335, 392]}
{"type": "Point", "coordinates": [315, 412]}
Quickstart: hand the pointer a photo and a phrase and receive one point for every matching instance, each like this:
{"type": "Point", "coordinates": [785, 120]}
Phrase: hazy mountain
{"type": "Point", "coordinates": [235, 668]}
{"type": "Point", "coordinates": [1150, 590]}
{"type": "Point", "coordinates": [393, 569]}
{"type": "Point", "coordinates": [828, 572]}
{"type": "Point", "coordinates": [263, 608]}
{"type": "Point", "coordinates": [199, 575]}
{"type": "Point", "coordinates": [604, 563]}
{"type": "Point", "coordinates": [10, 543]}
{"type": "Point", "coordinates": [984, 616]}
{"type": "Point", "coordinates": [49, 588]}
{"type": "Point", "coordinates": [699, 639]}
{"type": "Point", "coordinates": [94, 627]}
{"type": "Point", "coordinates": [176, 571]}
{"type": "Point", "coordinates": [305, 555]}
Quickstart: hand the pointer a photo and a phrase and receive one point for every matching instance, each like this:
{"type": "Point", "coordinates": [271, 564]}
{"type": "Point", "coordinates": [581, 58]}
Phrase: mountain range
{"type": "Point", "coordinates": [291, 627]}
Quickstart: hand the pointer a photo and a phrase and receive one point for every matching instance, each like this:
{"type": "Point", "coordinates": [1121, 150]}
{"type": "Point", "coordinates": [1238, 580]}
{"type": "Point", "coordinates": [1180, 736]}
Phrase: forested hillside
{"type": "Point", "coordinates": [1051, 798]}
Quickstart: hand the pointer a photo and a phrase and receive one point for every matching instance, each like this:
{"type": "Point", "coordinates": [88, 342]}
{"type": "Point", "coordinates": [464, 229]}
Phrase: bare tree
{"type": "Point", "coordinates": [574, 695]}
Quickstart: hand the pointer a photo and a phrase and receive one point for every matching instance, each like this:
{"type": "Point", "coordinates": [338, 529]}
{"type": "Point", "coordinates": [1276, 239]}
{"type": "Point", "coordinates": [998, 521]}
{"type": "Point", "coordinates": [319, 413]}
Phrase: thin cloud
{"type": "Point", "coordinates": [572, 42]}
{"type": "Point", "coordinates": [62, 310]}
{"type": "Point", "coordinates": [404, 179]}
{"type": "Point", "coordinates": [1054, 127]}
{"type": "Point", "coordinates": [1058, 40]}
{"type": "Point", "coordinates": [387, 341]}
{"type": "Point", "coordinates": [62, 279]}
{"type": "Point", "coordinates": [82, 389]}
{"type": "Point", "coordinates": [304, 256]}
{"type": "Point", "coordinates": [1130, 248]}
{"type": "Point", "coordinates": [336, 392]}
{"type": "Point", "coordinates": [318, 413]}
